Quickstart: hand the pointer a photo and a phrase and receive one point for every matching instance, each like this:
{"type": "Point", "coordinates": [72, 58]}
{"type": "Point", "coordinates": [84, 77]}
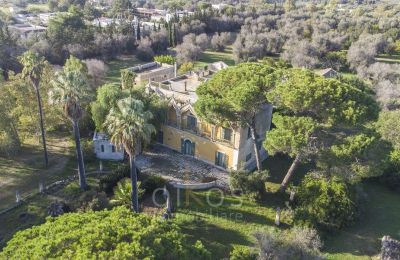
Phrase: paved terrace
{"type": "Point", "coordinates": [174, 166]}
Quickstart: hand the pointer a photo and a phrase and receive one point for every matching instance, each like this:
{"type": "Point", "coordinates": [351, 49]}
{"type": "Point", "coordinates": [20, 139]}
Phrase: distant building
{"type": "Point", "coordinates": [153, 71]}
{"type": "Point", "coordinates": [105, 150]}
{"type": "Point", "coordinates": [179, 14]}
{"type": "Point", "coordinates": [185, 132]}
{"type": "Point", "coordinates": [328, 73]}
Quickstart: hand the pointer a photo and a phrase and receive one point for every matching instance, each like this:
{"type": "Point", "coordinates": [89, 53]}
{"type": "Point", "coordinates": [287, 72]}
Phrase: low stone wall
{"type": "Point", "coordinates": [194, 186]}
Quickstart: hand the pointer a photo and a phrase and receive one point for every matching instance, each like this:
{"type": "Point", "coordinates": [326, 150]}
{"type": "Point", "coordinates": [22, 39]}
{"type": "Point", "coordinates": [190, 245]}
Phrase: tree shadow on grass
{"type": "Point", "coordinates": [216, 239]}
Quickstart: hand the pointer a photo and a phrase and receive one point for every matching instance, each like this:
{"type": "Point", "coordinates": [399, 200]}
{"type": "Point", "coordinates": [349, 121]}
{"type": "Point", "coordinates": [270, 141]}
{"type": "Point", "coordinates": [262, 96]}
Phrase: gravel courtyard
{"type": "Point", "coordinates": [174, 166]}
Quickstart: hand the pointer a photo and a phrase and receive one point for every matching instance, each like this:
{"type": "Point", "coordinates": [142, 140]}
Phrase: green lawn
{"type": "Point", "coordinates": [212, 56]}
{"type": "Point", "coordinates": [115, 66]}
{"type": "Point", "coordinates": [232, 223]}
{"type": "Point", "coordinates": [25, 171]}
{"type": "Point", "coordinates": [380, 217]}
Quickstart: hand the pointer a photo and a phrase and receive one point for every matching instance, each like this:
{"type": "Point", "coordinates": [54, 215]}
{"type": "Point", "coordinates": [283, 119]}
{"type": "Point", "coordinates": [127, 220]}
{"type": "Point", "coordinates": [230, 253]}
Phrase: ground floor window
{"type": "Point", "coordinates": [187, 147]}
{"type": "Point", "coordinates": [248, 157]}
{"type": "Point", "coordinates": [220, 159]}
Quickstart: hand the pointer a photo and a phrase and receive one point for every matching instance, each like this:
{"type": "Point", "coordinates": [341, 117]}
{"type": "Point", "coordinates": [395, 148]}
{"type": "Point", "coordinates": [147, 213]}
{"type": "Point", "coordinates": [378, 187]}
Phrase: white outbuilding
{"type": "Point", "coordinates": [105, 150]}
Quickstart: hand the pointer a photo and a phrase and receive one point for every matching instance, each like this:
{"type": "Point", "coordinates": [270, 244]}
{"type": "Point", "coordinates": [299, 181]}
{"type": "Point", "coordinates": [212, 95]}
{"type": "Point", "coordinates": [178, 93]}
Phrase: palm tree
{"type": "Point", "coordinates": [128, 124]}
{"type": "Point", "coordinates": [33, 69]}
{"type": "Point", "coordinates": [70, 88]}
{"type": "Point", "coordinates": [123, 191]}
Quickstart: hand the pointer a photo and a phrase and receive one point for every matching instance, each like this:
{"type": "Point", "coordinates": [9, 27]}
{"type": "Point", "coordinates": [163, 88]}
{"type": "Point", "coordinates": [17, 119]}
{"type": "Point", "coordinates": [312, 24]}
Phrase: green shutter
{"type": "Point", "coordinates": [182, 145]}
{"type": "Point", "coordinates": [216, 158]}
{"type": "Point", "coordinates": [224, 160]}
{"type": "Point", "coordinates": [193, 148]}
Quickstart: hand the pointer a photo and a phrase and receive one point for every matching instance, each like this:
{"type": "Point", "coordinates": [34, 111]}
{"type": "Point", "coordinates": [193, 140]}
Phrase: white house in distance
{"type": "Point", "coordinates": [105, 150]}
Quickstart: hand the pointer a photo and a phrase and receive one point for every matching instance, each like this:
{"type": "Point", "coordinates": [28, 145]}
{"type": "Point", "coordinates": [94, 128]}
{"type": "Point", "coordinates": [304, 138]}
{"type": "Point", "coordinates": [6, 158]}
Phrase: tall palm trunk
{"type": "Point", "coordinates": [255, 145]}
{"type": "Point", "coordinates": [81, 166]}
{"type": "Point", "coordinates": [39, 101]}
{"type": "Point", "coordinates": [290, 173]}
{"type": "Point", "coordinates": [134, 194]}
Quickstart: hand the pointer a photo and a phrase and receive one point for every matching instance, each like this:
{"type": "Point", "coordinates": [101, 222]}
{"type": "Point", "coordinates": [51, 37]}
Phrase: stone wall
{"type": "Point", "coordinates": [390, 249]}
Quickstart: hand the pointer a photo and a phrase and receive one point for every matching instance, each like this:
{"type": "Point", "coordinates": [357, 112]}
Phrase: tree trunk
{"type": "Point", "coordinates": [255, 145]}
{"type": "Point", "coordinates": [134, 195]}
{"type": "Point", "coordinates": [290, 172]}
{"type": "Point", "coordinates": [39, 100]}
{"type": "Point", "coordinates": [79, 155]}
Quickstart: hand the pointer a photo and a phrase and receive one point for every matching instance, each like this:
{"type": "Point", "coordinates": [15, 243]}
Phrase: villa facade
{"type": "Point", "coordinates": [224, 147]}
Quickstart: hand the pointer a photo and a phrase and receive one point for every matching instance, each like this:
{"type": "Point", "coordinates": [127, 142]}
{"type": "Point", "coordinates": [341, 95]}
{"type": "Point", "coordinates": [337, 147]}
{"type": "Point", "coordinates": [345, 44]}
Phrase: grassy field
{"type": "Point", "coordinates": [115, 66]}
{"type": "Point", "coordinates": [25, 171]}
{"type": "Point", "coordinates": [232, 223]}
{"type": "Point", "coordinates": [380, 217]}
{"type": "Point", "coordinates": [212, 56]}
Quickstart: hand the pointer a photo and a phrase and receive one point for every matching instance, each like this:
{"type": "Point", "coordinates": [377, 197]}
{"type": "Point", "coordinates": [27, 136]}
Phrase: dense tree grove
{"type": "Point", "coordinates": [104, 234]}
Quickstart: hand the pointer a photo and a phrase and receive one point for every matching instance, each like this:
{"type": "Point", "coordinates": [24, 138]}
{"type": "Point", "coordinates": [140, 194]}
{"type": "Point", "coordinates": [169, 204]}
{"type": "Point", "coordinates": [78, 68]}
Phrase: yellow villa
{"type": "Point", "coordinates": [225, 148]}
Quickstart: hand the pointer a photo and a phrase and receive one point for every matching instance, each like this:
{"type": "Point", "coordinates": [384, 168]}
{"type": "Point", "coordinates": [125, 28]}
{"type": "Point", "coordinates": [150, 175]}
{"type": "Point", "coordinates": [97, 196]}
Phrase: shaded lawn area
{"type": "Point", "coordinates": [115, 66]}
{"type": "Point", "coordinates": [26, 170]}
{"type": "Point", "coordinates": [234, 222]}
{"type": "Point", "coordinates": [212, 56]}
{"type": "Point", "coordinates": [380, 217]}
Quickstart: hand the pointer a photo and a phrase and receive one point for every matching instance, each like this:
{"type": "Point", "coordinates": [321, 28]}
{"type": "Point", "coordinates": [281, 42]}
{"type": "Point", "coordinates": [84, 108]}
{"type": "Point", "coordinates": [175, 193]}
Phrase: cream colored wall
{"type": "Point", "coordinates": [263, 123]}
{"type": "Point", "coordinates": [205, 149]}
{"type": "Point", "coordinates": [160, 75]}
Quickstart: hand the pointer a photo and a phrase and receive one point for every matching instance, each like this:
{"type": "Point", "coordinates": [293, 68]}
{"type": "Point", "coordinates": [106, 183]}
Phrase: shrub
{"type": "Point", "coordinates": [88, 151]}
{"type": "Point", "coordinates": [186, 67]}
{"type": "Point", "coordinates": [109, 234]}
{"type": "Point", "coordinates": [251, 184]}
{"type": "Point", "coordinates": [328, 203]}
{"type": "Point", "coordinates": [391, 175]}
{"type": "Point", "coordinates": [9, 146]}
{"type": "Point", "coordinates": [165, 59]}
{"type": "Point", "coordinates": [242, 253]}
{"type": "Point", "coordinates": [122, 192]}
{"type": "Point", "coordinates": [109, 181]}
{"type": "Point", "coordinates": [93, 201]}
{"type": "Point", "coordinates": [153, 182]}
{"type": "Point", "coordinates": [296, 243]}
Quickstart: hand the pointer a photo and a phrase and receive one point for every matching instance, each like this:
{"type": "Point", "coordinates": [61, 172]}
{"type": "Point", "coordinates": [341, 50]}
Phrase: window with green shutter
{"type": "Point", "coordinates": [220, 159]}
